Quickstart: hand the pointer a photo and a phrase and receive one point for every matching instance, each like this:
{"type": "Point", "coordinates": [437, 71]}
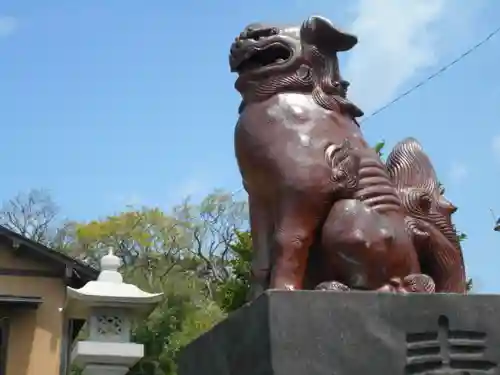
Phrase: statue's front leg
{"type": "Point", "coordinates": [261, 225]}
{"type": "Point", "coordinates": [295, 228]}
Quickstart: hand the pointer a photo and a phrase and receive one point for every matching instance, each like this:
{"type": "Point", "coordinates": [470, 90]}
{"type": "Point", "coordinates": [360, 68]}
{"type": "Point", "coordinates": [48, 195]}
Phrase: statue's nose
{"type": "Point", "coordinates": [236, 45]}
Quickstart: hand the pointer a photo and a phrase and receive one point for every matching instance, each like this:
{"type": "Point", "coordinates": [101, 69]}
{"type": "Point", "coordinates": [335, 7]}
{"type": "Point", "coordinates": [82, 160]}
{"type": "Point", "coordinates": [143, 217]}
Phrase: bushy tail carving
{"type": "Point", "coordinates": [428, 216]}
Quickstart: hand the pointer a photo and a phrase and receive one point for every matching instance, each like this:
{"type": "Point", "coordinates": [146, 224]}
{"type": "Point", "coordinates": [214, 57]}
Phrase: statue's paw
{"type": "Point", "coordinates": [414, 283]}
{"type": "Point", "coordinates": [419, 283]}
{"type": "Point", "coordinates": [395, 285]}
{"type": "Point", "coordinates": [332, 286]}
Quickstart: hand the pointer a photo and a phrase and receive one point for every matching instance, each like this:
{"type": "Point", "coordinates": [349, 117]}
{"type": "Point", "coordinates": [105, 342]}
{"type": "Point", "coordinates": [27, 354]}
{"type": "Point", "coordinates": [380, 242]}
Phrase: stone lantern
{"type": "Point", "coordinates": [109, 305]}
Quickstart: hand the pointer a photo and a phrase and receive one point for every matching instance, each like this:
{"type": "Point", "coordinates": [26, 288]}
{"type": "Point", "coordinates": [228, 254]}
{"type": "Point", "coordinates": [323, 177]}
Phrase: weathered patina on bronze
{"type": "Point", "coordinates": [325, 211]}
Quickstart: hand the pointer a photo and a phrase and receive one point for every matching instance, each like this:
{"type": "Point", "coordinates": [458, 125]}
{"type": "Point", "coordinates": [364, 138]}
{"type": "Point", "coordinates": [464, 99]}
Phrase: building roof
{"type": "Point", "coordinates": [76, 272]}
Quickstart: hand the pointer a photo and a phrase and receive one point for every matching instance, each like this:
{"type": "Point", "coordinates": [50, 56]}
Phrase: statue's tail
{"type": "Point", "coordinates": [428, 216]}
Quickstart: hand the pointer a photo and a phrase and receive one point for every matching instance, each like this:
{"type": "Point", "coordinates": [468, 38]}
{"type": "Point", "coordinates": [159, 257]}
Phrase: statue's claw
{"type": "Point", "coordinates": [332, 286]}
{"type": "Point", "coordinates": [419, 283]}
{"type": "Point", "coordinates": [414, 283]}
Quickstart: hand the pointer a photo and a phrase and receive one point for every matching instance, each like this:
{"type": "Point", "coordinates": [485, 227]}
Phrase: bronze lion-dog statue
{"type": "Point", "coordinates": [325, 211]}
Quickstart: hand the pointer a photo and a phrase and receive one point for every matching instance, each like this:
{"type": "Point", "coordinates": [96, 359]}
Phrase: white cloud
{"type": "Point", "coordinates": [396, 39]}
{"type": "Point", "coordinates": [8, 25]}
{"type": "Point", "coordinates": [190, 187]}
{"type": "Point", "coordinates": [495, 146]}
{"type": "Point", "coordinates": [194, 187]}
{"type": "Point", "coordinates": [458, 172]}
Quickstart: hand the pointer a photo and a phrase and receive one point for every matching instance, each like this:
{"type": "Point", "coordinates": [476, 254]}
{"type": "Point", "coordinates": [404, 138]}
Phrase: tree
{"type": "Point", "coordinates": [379, 147]}
{"type": "Point", "coordinates": [470, 283]}
{"type": "Point", "coordinates": [211, 229]}
{"type": "Point", "coordinates": [32, 214]}
{"type": "Point", "coordinates": [141, 238]}
{"type": "Point", "coordinates": [184, 314]}
{"type": "Point", "coordinates": [185, 254]}
{"type": "Point", "coordinates": [233, 292]}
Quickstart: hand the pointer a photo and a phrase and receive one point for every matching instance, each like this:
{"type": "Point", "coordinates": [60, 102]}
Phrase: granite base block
{"type": "Point", "coordinates": [328, 333]}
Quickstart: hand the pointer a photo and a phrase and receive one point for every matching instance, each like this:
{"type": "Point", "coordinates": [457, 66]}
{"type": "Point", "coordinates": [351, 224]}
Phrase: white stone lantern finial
{"type": "Point", "coordinates": [110, 264]}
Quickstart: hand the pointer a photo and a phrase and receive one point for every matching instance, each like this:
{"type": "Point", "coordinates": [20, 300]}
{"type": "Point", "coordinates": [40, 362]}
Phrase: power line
{"type": "Point", "coordinates": [236, 191]}
{"type": "Point", "coordinates": [433, 75]}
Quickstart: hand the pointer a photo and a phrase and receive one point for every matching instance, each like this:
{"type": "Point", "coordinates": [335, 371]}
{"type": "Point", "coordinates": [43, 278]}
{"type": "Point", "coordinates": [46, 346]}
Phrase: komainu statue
{"type": "Point", "coordinates": [325, 211]}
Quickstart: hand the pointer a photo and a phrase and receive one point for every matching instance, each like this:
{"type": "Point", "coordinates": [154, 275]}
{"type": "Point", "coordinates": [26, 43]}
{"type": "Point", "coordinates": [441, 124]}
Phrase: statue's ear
{"type": "Point", "coordinates": [320, 32]}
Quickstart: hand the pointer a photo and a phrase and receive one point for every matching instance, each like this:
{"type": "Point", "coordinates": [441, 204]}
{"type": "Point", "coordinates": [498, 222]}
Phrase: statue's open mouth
{"type": "Point", "coordinates": [257, 58]}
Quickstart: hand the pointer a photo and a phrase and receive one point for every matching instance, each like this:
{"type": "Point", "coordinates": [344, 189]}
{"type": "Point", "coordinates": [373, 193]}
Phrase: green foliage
{"type": "Point", "coordinates": [232, 293]}
{"type": "Point", "coordinates": [378, 148]}
{"type": "Point", "coordinates": [135, 235]}
{"type": "Point", "coordinates": [191, 255]}
{"type": "Point", "coordinates": [184, 314]}
{"type": "Point", "coordinates": [469, 283]}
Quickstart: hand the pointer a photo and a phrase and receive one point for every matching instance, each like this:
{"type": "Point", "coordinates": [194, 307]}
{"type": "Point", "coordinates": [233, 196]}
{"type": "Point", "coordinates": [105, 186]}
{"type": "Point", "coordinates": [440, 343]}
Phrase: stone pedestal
{"type": "Point", "coordinates": [105, 370]}
{"type": "Point", "coordinates": [328, 333]}
{"type": "Point", "coordinates": [103, 358]}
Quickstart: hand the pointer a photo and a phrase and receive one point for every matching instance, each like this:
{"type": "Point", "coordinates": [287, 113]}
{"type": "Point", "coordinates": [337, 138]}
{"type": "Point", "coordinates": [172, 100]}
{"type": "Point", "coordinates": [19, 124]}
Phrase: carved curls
{"type": "Point", "coordinates": [415, 178]}
{"type": "Point", "coordinates": [428, 214]}
{"type": "Point", "coordinates": [345, 167]}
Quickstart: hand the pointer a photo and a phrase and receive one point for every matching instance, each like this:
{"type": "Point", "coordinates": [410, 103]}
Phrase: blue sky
{"type": "Point", "coordinates": [111, 102]}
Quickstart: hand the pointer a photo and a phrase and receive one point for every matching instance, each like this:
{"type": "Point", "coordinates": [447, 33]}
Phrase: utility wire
{"type": "Point", "coordinates": [433, 75]}
{"type": "Point", "coordinates": [236, 191]}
